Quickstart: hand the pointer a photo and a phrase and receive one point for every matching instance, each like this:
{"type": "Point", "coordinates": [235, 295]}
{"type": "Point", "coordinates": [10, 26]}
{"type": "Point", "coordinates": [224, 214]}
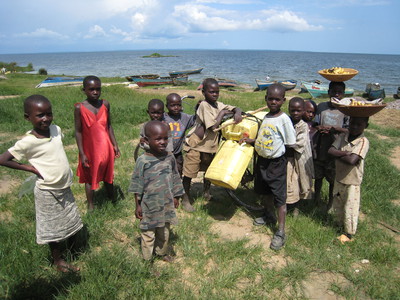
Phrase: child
{"type": "Point", "coordinates": [96, 141]}
{"type": "Point", "coordinates": [155, 110]}
{"type": "Point", "coordinates": [157, 186]}
{"type": "Point", "coordinates": [300, 168]}
{"type": "Point", "coordinates": [350, 150]}
{"type": "Point", "coordinates": [310, 108]}
{"type": "Point", "coordinates": [178, 122]}
{"type": "Point", "coordinates": [201, 143]}
{"type": "Point", "coordinates": [276, 132]}
{"type": "Point", "coordinates": [57, 216]}
{"type": "Point", "coordinates": [329, 122]}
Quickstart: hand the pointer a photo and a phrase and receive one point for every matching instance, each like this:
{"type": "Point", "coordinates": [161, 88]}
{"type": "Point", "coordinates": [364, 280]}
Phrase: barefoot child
{"type": "Point", "coordinates": [350, 150]}
{"type": "Point", "coordinates": [201, 143]}
{"type": "Point", "coordinates": [179, 122]}
{"type": "Point", "coordinates": [300, 168]}
{"type": "Point", "coordinates": [96, 141]}
{"type": "Point", "coordinates": [275, 134]}
{"type": "Point", "coordinates": [157, 186]}
{"type": "Point", "coordinates": [57, 216]}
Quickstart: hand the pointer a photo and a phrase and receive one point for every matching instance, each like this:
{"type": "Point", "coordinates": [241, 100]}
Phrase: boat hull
{"type": "Point", "coordinates": [60, 81]}
{"type": "Point", "coordinates": [186, 72]}
{"type": "Point", "coordinates": [148, 76]}
{"type": "Point", "coordinates": [142, 82]}
{"type": "Point", "coordinates": [319, 90]}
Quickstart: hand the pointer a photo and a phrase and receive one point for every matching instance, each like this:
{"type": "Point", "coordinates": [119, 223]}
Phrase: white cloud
{"type": "Point", "coordinates": [43, 33]}
{"type": "Point", "coordinates": [95, 31]}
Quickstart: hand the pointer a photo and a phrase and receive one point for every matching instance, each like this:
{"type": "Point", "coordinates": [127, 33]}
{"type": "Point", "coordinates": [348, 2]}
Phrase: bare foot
{"type": "Point", "coordinates": [64, 267]}
{"type": "Point", "coordinates": [344, 239]}
{"type": "Point", "coordinates": [168, 258]}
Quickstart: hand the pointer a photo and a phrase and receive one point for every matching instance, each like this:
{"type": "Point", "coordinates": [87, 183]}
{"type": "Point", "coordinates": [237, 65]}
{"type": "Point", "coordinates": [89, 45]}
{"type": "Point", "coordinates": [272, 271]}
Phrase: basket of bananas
{"type": "Point", "coordinates": [358, 107]}
{"type": "Point", "coordinates": [338, 73]}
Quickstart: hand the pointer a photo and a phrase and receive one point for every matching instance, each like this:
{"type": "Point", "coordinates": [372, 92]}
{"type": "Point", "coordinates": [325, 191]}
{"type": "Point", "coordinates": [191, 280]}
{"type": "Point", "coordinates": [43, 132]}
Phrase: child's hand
{"type": "Point", "coordinates": [138, 212]}
{"type": "Point", "coordinates": [117, 152]}
{"type": "Point", "coordinates": [323, 129]}
{"type": "Point", "coordinates": [247, 141]}
{"type": "Point", "coordinates": [85, 161]}
{"type": "Point", "coordinates": [35, 171]}
{"type": "Point", "coordinates": [176, 202]}
{"type": "Point", "coordinates": [237, 118]}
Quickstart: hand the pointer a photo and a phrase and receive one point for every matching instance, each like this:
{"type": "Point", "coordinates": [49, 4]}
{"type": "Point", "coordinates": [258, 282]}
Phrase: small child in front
{"type": "Point", "coordinates": [201, 143]}
{"type": "Point", "coordinates": [57, 216]}
{"type": "Point", "coordinates": [157, 186]}
{"type": "Point", "coordinates": [96, 141]}
{"type": "Point", "coordinates": [275, 134]}
{"type": "Point", "coordinates": [178, 122]}
{"type": "Point", "coordinates": [300, 168]}
{"type": "Point", "coordinates": [350, 150]}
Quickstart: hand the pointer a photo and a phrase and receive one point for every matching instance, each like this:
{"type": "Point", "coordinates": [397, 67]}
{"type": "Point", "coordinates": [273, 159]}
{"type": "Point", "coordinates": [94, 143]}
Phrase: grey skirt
{"type": "Point", "coordinates": [57, 216]}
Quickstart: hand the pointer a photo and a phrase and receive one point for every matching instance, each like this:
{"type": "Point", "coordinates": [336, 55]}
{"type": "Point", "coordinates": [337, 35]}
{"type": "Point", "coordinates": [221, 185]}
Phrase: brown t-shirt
{"type": "Point", "coordinates": [346, 173]}
{"type": "Point", "coordinates": [206, 114]}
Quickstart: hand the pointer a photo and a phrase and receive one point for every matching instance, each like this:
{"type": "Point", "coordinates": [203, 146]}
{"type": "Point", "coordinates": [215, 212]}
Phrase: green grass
{"type": "Point", "coordinates": [208, 263]}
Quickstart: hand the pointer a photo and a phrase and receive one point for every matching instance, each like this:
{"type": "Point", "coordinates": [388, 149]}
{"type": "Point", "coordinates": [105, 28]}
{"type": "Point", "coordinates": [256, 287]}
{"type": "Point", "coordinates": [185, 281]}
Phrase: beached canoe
{"type": "Point", "coordinates": [264, 84]}
{"type": "Point", "coordinates": [180, 80]}
{"type": "Point", "coordinates": [222, 82]}
{"type": "Point", "coordinates": [59, 81]}
{"type": "Point", "coordinates": [185, 72]}
{"type": "Point", "coordinates": [148, 76]}
{"type": "Point", "coordinates": [319, 89]}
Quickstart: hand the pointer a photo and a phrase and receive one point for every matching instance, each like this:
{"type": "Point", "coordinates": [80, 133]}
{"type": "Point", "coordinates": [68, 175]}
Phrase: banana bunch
{"type": "Point", "coordinates": [358, 103]}
{"type": "Point", "coordinates": [335, 70]}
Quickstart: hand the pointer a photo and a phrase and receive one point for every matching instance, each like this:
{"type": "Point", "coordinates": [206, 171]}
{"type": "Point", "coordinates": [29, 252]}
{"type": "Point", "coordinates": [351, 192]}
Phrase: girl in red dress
{"type": "Point", "coordinates": [96, 141]}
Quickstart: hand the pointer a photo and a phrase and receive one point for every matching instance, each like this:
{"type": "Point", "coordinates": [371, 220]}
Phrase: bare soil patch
{"type": "Point", "coordinates": [395, 157]}
{"type": "Point", "coordinates": [8, 97]}
{"type": "Point", "coordinates": [7, 184]}
{"type": "Point", "coordinates": [387, 118]}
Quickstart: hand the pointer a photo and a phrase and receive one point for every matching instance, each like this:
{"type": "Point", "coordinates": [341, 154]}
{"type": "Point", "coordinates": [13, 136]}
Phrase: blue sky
{"type": "Point", "coordinates": [353, 26]}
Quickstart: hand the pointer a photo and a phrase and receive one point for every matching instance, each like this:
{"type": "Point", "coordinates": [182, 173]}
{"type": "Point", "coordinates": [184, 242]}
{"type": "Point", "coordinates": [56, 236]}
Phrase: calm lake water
{"type": "Point", "coordinates": [241, 65]}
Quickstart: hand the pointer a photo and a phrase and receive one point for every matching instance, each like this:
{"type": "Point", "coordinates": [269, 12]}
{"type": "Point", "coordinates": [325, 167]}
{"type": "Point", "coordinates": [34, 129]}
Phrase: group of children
{"type": "Point", "coordinates": [288, 149]}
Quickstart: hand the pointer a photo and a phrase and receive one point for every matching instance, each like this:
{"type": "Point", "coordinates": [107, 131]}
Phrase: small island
{"type": "Point", "coordinates": [158, 55]}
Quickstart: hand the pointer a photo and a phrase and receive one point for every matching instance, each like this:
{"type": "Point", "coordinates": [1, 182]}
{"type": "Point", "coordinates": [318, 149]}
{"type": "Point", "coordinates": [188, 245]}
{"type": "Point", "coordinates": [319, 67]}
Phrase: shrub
{"type": "Point", "coordinates": [42, 71]}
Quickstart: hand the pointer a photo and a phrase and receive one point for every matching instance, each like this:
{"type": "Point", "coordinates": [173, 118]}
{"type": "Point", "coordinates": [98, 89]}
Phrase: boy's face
{"type": "Point", "coordinates": [357, 125]}
{"type": "Point", "coordinates": [156, 112]}
{"type": "Point", "coordinates": [174, 106]}
{"type": "Point", "coordinates": [92, 90]}
{"type": "Point", "coordinates": [40, 115]}
{"type": "Point", "coordinates": [309, 111]}
{"type": "Point", "coordinates": [336, 91]}
{"type": "Point", "coordinates": [275, 99]}
{"type": "Point", "coordinates": [158, 139]}
{"type": "Point", "coordinates": [211, 92]}
{"type": "Point", "coordinates": [296, 111]}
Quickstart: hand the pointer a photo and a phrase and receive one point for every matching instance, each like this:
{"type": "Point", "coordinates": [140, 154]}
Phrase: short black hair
{"type": "Point", "coordinates": [297, 100]}
{"type": "Point", "coordinates": [312, 103]}
{"type": "Point", "coordinates": [337, 83]}
{"type": "Point", "coordinates": [155, 102]}
{"type": "Point", "coordinates": [34, 99]}
{"type": "Point", "coordinates": [276, 86]}
{"type": "Point", "coordinates": [172, 95]}
{"type": "Point", "coordinates": [89, 78]}
{"type": "Point", "coordinates": [209, 81]}
{"type": "Point", "coordinates": [149, 126]}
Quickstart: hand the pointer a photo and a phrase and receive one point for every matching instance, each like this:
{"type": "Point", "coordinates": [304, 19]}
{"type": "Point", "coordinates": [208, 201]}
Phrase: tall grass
{"type": "Point", "coordinates": [208, 264]}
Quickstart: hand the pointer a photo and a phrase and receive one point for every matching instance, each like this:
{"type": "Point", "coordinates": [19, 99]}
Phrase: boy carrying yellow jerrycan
{"type": "Point", "coordinates": [230, 162]}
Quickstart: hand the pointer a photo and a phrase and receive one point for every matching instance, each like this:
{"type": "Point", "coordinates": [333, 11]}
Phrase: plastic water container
{"type": "Point", "coordinates": [248, 126]}
{"type": "Point", "coordinates": [229, 164]}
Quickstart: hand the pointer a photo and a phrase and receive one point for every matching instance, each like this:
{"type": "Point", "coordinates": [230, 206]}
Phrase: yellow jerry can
{"type": "Point", "coordinates": [229, 164]}
{"type": "Point", "coordinates": [249, 127]}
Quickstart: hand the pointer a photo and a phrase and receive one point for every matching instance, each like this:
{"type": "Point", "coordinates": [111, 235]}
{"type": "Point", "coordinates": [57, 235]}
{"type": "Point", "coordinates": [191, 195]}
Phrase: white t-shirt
{"type": "Point", "coordinates": [273, 135]}
{"type": "Point", "coordinates": [47, 155]}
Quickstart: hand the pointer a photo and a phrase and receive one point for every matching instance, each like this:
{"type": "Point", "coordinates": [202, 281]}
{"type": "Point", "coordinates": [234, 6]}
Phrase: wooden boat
{"type": "Point", "coordinates": [148, 76]}
{"type": "Point", "coordinates": [222, 82]}
{"type": "Point", "coordinates": [186, 72]}
{"type": "Point", "coordinates": [60, 81]}
{"type": "Point", "coordinates": [264, 84]}
{"type": "Point", "coordinates": [318, 89]}
{"type": "Point", "coordinates": [180, 80]}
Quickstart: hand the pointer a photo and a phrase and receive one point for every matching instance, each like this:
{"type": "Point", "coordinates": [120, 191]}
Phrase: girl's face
{"type": "Point", "coordinates": [92, 90]}
{"type": "Point", "coordinates": [309, 111]}
{"type": "Point", "coordinates": [296, 111]}
{"type": "Point", "coordinates": [156, 112]}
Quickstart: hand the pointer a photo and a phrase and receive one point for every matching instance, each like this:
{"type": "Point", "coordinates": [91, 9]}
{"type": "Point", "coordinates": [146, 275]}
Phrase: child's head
{"type": "Point", "coordinates": [310, 108]}
{"type": "Point", "coordinates": [336, 89]}
{"type": "Point", "coordinates": [174, 104]}
{"type": "Point", "coordinates": [92, 87]}
{"type": "Point", "coordinates": [156, 136]}
{"type": "Point", "coordinates": [210, 90]}
{"type": "Point", "coordinates": [296, 109]}
{"type": "Point", "coordinates": [38, 111]}
{"type": "Point", "coordinates": [357, 125]}
{"type": "Point", "coordinates": [275, 97]}
{"type": "Point", "coordinates": [155, 109]}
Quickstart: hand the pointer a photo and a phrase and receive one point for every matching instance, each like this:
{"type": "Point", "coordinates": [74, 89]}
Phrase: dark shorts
{"type": "Point", "coordinates": [270, 178]}
{"type": "Point", "coordinates": [179, 162]}
{"type": "Point", "coordinates": [325, 169]}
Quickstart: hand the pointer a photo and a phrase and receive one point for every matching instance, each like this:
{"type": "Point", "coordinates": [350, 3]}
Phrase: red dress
{"type": "Point", "coordinates": [97, 147]}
